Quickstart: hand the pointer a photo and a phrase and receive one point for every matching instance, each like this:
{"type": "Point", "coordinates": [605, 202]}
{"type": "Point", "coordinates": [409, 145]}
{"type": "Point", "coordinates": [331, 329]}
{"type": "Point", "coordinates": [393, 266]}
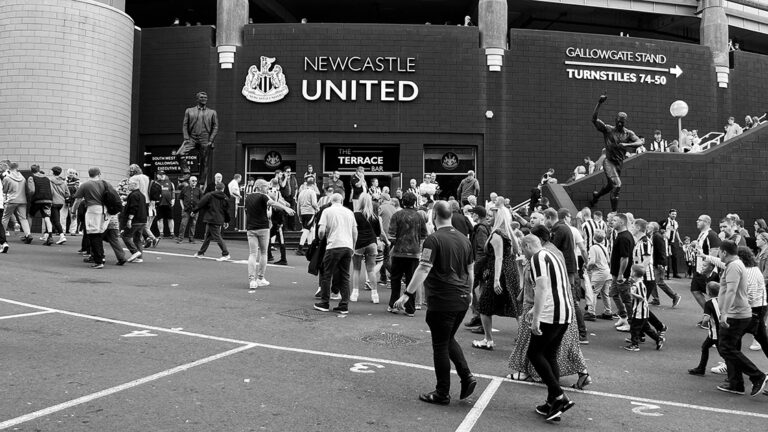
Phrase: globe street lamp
{"type": "Point", "coordinates": [679, 109]}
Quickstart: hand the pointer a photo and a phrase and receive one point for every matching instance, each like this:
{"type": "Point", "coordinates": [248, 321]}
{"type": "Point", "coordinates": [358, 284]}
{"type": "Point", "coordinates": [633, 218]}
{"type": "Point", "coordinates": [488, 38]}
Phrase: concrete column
{"type": "Point", "coordinates": [492, 21]}
{"type": "Point", "coordinates": [714, 34]}
{"type": "Point", "coordinates": [231, 16]}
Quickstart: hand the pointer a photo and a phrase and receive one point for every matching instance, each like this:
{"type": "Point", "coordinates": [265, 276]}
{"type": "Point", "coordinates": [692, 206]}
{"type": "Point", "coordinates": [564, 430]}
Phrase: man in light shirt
{"type": "Point", "coordinates": [337, 225]}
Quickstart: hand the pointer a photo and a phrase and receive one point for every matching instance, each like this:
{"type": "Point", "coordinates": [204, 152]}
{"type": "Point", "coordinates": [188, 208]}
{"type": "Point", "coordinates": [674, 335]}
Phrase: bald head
{"type": "Point", "coordinates": [442, 212]}
{"type": "Point", "coordinates": [337, 198]}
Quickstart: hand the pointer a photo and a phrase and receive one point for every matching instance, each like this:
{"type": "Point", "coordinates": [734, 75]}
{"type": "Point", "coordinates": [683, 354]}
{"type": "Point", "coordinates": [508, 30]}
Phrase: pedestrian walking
{"type": "Point", "coordinates": [216, 208]}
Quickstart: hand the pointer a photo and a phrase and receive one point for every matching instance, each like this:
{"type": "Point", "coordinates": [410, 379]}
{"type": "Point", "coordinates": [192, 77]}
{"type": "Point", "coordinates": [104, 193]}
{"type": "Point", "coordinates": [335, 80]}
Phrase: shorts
{"type": "Point", "coordinates": [44, 209]}
{"type": "Point", "coordinates": [367, 253]}
{"type": "Point", "coordinates": [164, 212]}
{"type": "Point", "coordinates": [306, 221]}
{"type": "Point", "coordinates": [699, 282]}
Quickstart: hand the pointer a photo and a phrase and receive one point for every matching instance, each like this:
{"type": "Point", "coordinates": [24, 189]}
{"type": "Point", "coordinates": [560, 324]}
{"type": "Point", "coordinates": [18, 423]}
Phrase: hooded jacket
{"type": "Point", "coordinates": [14, 189]}
{"type": "Point", "coordinates": [39, 189]}
{"type": "Point", "coordinates": [59, 190]}
{"type": "Point", "coordinates": [216, 208]}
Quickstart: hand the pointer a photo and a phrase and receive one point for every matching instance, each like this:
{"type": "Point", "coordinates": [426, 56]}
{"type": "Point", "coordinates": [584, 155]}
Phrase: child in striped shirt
{"type": "Point", "coordinates": [638, 324]}
{"type": "Point", "coordinates": [712, 312]}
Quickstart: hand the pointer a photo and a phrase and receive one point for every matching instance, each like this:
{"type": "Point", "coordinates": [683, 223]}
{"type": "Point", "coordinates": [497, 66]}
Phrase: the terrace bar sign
{"type": "Point", "coordinates": [373, 159]}
{"type": "Point", "coordinates": [360, 89]}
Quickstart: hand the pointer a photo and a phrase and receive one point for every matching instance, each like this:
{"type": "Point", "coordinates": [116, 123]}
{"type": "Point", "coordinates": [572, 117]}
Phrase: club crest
{"type": "Point", "coordinates": [450, 161]}
{"type": "Point", "coordinates": [273, 159]}
{"type": "Point", "coordinates": [263, 85]}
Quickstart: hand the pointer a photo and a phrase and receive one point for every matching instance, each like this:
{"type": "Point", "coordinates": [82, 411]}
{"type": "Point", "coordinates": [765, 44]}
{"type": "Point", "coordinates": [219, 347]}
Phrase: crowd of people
{"type": "Point", "coordinates": [552, 271]}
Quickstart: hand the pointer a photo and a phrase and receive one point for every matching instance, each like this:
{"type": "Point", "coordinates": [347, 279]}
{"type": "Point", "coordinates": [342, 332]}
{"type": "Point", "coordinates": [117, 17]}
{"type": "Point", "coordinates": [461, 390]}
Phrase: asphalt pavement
{"type": "Point", "coordinates": [181, 344]}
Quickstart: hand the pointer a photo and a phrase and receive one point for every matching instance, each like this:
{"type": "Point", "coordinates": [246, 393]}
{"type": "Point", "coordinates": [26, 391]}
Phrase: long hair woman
{"type": "Point", "coordinates": [366, 249]}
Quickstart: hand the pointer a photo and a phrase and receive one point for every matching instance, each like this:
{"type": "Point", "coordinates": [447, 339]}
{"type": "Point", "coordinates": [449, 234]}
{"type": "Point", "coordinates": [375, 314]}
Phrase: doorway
{"type": "Point", "coordinates": [449, 166]}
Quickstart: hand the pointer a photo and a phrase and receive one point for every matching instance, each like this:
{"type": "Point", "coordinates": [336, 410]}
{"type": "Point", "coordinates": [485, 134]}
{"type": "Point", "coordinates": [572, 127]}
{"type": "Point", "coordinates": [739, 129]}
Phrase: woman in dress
{"type": "Point", "coordinates": [570, 360]}
{"type": "Point", "coordinates": [500, 282]}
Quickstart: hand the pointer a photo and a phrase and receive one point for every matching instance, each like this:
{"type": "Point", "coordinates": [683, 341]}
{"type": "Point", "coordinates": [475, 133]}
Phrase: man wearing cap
{"type": "Point", "coordinates": [617, 141]}
{"type": "Point", "coordinates": [659, 144]}
{"type": "Point", "coordinates": [478, 237]}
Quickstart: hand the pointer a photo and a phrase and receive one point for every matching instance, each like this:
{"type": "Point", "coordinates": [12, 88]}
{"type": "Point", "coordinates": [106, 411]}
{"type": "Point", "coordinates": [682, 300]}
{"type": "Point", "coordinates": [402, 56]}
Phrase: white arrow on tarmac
{"type": "Point", "coordinates": [676, 71]}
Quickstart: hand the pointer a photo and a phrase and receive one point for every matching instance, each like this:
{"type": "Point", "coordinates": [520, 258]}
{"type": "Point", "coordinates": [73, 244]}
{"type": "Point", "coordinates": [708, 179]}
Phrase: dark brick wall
{"type": "Point", "coordinates": [541, 118]}
{"type": "Point", "coordinates": [730, 178]}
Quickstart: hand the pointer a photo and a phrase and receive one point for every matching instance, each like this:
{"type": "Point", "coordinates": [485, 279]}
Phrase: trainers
{"type": "Point", "coordinates": [758, 386]}
{"type": "Point", "coordinates": [198, 255]}
{"type": "Point", "coordinates": [27, 239]}
{"type": "Point", "coordinates": [583, 340]}
{"type": "Point", "coordinates": [559, 406]}
{"type": "Point", "coordinates": [755, 346]}
{"type": "Point", "coordinates": [138, 260]}
{"type": "Point", "coordinates": [262, 281]}
{"type": "Point", "coordinates": [720, 369]}
{"type": "Point", "coordinates": [620, 322]}
{"type": "Point", "coordinates": [392, 310]}
{"type": "Point", "coordinates": [624, 328]}
{"type": "Point", "coordinates": [252, 284]}
{"type": "Point", "coordinates": [654, 302]}
{"type": "Point", "coordinates": [317, 293]}
{"type": "Point", "coordinates": [134, 257]}
{"type": "Point", "coordinates": [61, 240]}
{"type": "Point", "coordinates": [726, 387]}
{"type": "Point", "coordinates": [336, 296]}
{"type": "Point", "coordinates": [474, 322]}
{"type": "Point", "coordinates": [354, 295]}
{"type": "Point", "coordinates": [606, 316]}
{"type": "Point", "coordinates": [660, 343]}
{"type": "Point", "coordinates": [374, 297]}
{"type": "Point", "coordinates": [677, 300]}
{"type": "Point", "coordinates": [97, 266]}
{"type": "Point", "coordinates": [4, 248]}
{"type": "Point", "coordinates": [589, 316]}
{"type": "Point", "coordinates": [342, 309]}
{"type": "Point", "coordinates": [224, 258]}
{"type": "Point", "coordinates": [697, 371]}
{"type": "Point", "coordinates": [322, 306]}
{"type": "Point", "coordinates": [281, 262]}
{"type": "Point", "coordinates": [155, 242]}
{"type": "Point", "coordinates": [633, 348]}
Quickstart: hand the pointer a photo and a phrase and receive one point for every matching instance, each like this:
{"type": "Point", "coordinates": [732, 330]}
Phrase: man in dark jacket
{"type": "Point", "coordinates": [478, 238]}
{"type": "Point", "coordinates": [216, 209]}
{"type": "Point", "coordinates": [133, 219]}
{"type": "Point", "coordinates": [190, 196]}
{"type": "Point", "coordinates": [40, 200]}
{"type": "Point", "coordinates": [468, 186]}
{"type": "Point", "coordinates": [458, 220]}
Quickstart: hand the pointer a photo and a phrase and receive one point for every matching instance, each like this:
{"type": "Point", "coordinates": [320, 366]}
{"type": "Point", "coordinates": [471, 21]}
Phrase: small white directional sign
{"type": "Point", "coordinates": [139, 333]}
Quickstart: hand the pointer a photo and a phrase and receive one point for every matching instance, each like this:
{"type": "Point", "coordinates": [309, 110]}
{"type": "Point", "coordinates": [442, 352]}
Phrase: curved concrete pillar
{"type": "Point", "coordinates": [231, 16]}
{"type": "Point", "coordinates": [67, 80]}
{"type": "Point", "coordinates": [714, 34]}
{"type": "Point", "coordinates": [492, 22]}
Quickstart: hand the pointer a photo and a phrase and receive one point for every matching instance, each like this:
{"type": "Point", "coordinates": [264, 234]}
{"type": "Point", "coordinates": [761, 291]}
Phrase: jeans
{"type": "Point", "coordinates": [132, 237]}
{"type": "Point", "coordinates": [600, 284]}
{"type": "Point", "coordinates": [445, 349]}
{"type": "Point", "coordinates": [729, 346]}
{"type": "Point", "coordinates": [757, 328]}
{"type": "Point", "coordinates": [188, 219]}
{"type": "Point", "coordinates": [213, 233]}
{"type": "Point", "coordinates": [402, 267]}
{"type": "Point", "coordinates": [56, 218]}
{"type": "Point", "coordinates": [336, 264]}
{"type": "Point", "coordinates": [112, 236]}
{"type": "Point", "coordinates": [258, 242]}
{"type": "Point", "coordinates": [620, 295]}
{"type": "Point", "coordinates": [542, 353]}
{"type": "Point", "coordinates": [658, 276]}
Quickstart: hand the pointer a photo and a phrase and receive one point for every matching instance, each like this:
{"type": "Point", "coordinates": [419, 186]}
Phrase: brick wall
{"type": "Point", "coordinates": [65, 79]}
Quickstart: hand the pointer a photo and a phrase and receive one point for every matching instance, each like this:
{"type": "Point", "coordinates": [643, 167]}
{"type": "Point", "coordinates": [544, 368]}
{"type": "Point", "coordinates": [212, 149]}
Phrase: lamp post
{"type": "Point", "coordinates": [679, 109]}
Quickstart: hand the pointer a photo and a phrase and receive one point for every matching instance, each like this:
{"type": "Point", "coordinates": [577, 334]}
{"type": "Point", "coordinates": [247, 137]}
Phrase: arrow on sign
{"type": "Point", "coordinates": [147, 153]}
{"type": "Point", "coordinates": [139, 333]}
{"type": "Point", "coordinates": [676, 71]}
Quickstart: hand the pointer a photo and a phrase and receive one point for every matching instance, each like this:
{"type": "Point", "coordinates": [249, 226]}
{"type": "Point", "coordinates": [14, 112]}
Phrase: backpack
{"type": "Point", "coordinates": [155, 191]}
{"type": "Point", "coordinates": [111, 200]}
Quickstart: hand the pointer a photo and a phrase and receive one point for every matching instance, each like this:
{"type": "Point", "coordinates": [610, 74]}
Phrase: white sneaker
{"type": "Point", "coordinates": [375, 297]}
{"type": "Point", "coordinates": [4, 248]}
{"type": "Point", "coordinates": [335, 296]}
{"type": "Point", "coordinates": [621, 322]}
{"type": "Point", "coordinates": [755, 346]}
{"type": "Point", "coordinates": [61, 240]}
{"type": "Point", "coordinates": [720, 369]}
{"type": "Point", "coordinates": [262, 282]}
{"type": "Point", "coordinates": [224, 258]}
{"type": "Point", "coordinates": [138, 260]}
{"type": "Point", "coordinates": [198, 255]}
{"type": "Point", "coordinates": [354, 295]}
{"type": "Point", "coordinates": [133, 257]}
{"type": "Point", "coordinates": [253, 284]}
{"type": "Point", "coordinates": [623, 328]}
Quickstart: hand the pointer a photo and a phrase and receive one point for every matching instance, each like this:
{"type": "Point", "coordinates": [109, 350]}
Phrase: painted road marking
{"type": "Point", "coordinates": [84, 399]}
{"type": "Point", "coordinates": [364, 367]}
{"type": "Point", "coordinates": [42, 312]}
{"type": "Point", "coordinates": [242, 262]}
{"type": "Point", "coordinates": [139, 333]}
{"type": "Point", "coordinates": [643, 408]}
{"type": "Point", "coordinates": [477, 410]}
{"type": "Point", "coordinates": [389, 362]}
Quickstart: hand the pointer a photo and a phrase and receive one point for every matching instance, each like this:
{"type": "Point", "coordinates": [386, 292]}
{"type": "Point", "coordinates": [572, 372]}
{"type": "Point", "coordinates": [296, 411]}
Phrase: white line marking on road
{"type": "Point", "coordinates": [243, 262]}
{"type": "Point", "coordinates": [87, 398]}
{"type": "Point", "coordinates": [474, 414]}
{"type": "Point", "coordinates": [385, 361]}
{"type": "Point", "coordinates": [643, 407]}
{"type": "Point", "coordinates": [42, 312]}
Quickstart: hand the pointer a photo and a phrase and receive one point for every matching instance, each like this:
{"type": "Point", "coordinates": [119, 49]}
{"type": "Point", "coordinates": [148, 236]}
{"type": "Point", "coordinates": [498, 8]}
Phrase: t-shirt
{"type": "Point", "coordinates": [449, 254]}
{"type": "Point", "coordinates": [406, 230]}
{"type": "Point", "coordinates": [562, 238]}
{"type": "Point", "coordinates": [367, 230]}
{"type": "Point", "coordinates": [256, 211]}
{"type": "Point", "coordinates": [357, 186]}
{"type": "Point", "coordinates": [558, 302]}
{"type": "Point", "coordinates": [707, 240]}
{"type": "Point", "coordinates": [598, 260]}
{"type": "Point", "coordinates": [168, 189]}
{"type": "Point", "coordinates": [622, 248]}
{"type": "Point", "coordinates": [339, 222]}
{"type": "Point", "coordinates": [307, 201]}
{"type": "Point", "coordinates": [639, 307]}
{"type": "Point", "coordinates": [461, 223]}
{"type": "Point", "coordinates": [643, 251]}
{"type": "Point", "coordinates": [91, 191]}
{"type": "Point", "coordinates": [614, 150]}
{"type": "Point", "coordinates": [577, 238]}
